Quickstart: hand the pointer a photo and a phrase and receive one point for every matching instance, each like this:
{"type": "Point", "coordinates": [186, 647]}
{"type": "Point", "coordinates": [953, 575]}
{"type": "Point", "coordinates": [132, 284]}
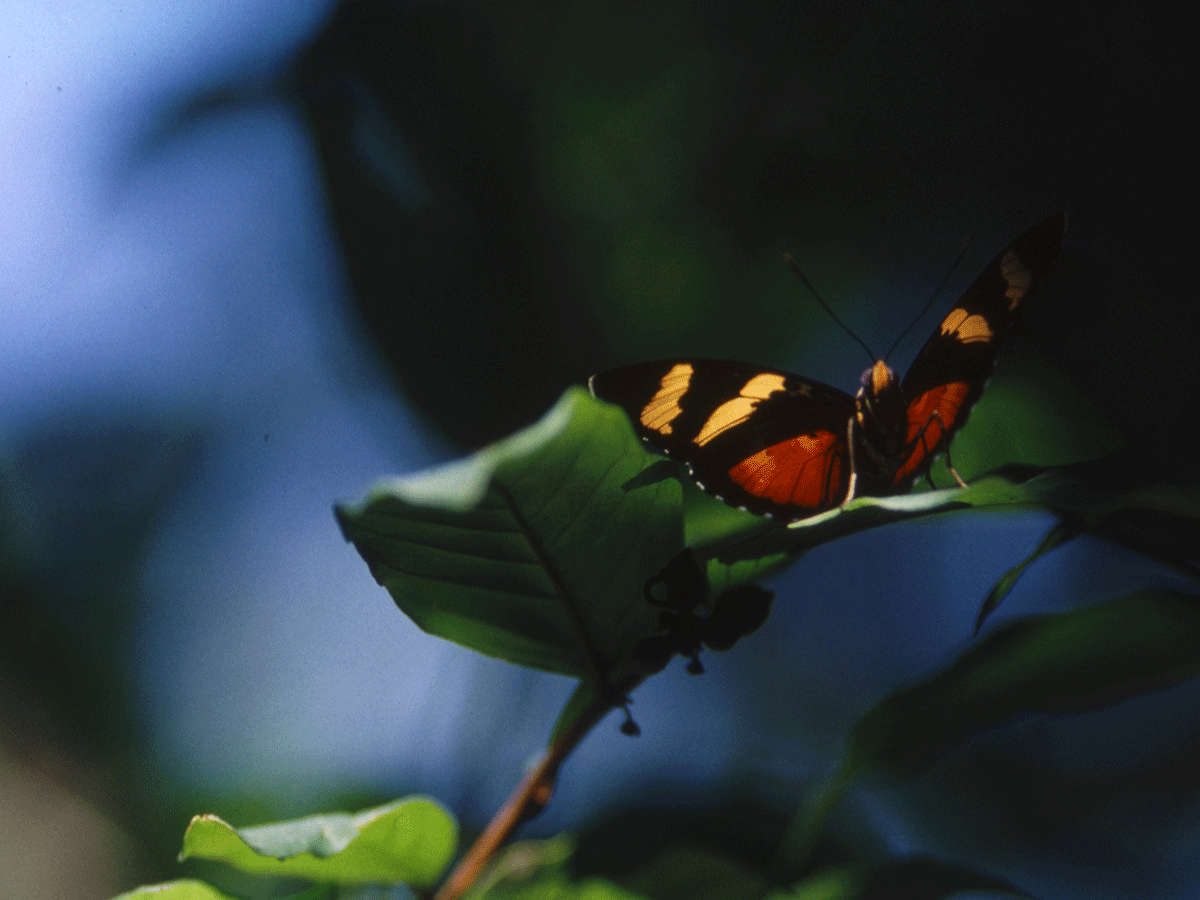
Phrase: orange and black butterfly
{"type": "Point", "coordinates": [778, 444]}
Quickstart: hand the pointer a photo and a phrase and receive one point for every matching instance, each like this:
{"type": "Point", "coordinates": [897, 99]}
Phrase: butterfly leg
{"type": "Point", "coordinates": [928, 450]}
{"type": "Point", "coordinates": [853, 461]}
{"type": "Point", "coordinates": [920, 440]}
{"type": "Point", "coordinates": [953, 471]}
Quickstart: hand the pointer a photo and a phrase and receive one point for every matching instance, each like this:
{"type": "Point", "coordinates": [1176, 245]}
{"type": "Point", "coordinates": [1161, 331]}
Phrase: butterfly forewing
{"type": "Point", "coordinates": [758, 438]}
{"type": "Point", "coordinates": [950, 371]}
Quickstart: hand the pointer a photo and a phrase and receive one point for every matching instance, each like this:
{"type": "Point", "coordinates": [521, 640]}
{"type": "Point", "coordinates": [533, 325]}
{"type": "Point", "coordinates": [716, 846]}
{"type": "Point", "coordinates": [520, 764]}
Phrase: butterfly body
{"type": "Point", "coordinates": [780, 444]}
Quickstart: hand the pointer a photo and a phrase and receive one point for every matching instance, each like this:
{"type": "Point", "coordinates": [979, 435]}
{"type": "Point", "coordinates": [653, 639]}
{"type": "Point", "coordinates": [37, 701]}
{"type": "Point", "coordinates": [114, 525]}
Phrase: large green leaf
{"type": "Point", "coordinates": [407, 841]}
{"type": "Point", "coordinates": [535, 549]}
{"type": "Point", "coordinates": [1065, 662]}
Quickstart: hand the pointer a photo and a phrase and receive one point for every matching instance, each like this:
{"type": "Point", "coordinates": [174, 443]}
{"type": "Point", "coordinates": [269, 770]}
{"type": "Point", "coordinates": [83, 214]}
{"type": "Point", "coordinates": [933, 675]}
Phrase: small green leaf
{"type": "Point", "coordinates": [535, 549]}
{"type": "Point", "coordinates": [559, 886]}
{"type": "Point", "coordinates": [537, 870]}
{"type": "Point", "coordinates": [692, 873]}
{"type": "Point", "coordinates": [1059, 534]}
{"type": "Point", "coordinates": [407, 841]}
{"type": "Point", "coordinates": [524, 863]}
{"type": "Point", "coordinates": [843, 882]}
{"type": "Point", "coordinates": [185, 889]}
{"type": "Point", "coordinates": [324, 891]}
{"type": "Point", "coordinates": [910, 877]}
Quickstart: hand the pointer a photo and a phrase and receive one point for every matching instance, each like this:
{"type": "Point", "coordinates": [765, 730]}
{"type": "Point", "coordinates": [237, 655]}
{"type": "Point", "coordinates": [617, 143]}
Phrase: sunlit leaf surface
{"type": "Point", "coordinates": [407, 841]}
{"type": "Point", "coordinates": [535, 549]}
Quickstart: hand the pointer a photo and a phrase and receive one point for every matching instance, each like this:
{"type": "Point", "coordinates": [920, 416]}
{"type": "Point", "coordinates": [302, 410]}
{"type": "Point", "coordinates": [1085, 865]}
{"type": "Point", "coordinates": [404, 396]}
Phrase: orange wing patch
{"type": "Point", "coordinates": [1017, 276]}
{"type": "Point", "coordinates": [967, 328]}
{"type": "Point", "coordinates": [925, 429]}
{"type": "Point", "coordinates": [734, 412]}
{"type": "Point", "coordinates": [663, 408]}
{"type": "Point", "coordinates": [802, 471]}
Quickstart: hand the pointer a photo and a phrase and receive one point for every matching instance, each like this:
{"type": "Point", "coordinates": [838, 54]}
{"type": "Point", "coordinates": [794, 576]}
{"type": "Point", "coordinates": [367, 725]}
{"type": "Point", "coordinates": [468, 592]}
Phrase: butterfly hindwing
{"type": "Point", "coordinates": [758, 438]}
{"type": "Point", "coordinates": [949, 372]}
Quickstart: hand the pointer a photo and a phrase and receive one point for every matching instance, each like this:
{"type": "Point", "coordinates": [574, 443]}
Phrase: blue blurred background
{"type": "Point", "coordinates": [254, 257]}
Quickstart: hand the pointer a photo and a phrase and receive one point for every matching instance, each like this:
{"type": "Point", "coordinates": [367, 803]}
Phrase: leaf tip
{"type": "Point", "coordinates": [187, 850]}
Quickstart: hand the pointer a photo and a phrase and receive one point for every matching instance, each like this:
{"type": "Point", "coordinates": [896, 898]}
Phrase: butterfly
{"type": "Point", "coordinates": [781, 445]}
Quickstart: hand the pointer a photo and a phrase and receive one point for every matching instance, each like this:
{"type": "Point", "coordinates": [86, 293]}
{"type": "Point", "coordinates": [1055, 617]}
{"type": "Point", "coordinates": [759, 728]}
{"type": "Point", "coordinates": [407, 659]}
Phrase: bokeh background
{"type": "Point", "coordinates": [254, 256]}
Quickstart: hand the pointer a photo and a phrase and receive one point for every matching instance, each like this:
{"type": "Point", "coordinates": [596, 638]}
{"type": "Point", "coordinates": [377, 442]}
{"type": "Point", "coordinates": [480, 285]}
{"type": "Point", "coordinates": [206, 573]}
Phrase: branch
{"type": "Point", "coordinates": [530, 796]}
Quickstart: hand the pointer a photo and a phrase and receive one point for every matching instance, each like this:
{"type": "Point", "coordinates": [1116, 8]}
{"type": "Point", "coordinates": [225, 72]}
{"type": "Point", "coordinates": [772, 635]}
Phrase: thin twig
{"type": "Point", "coordinates": [527, 800]}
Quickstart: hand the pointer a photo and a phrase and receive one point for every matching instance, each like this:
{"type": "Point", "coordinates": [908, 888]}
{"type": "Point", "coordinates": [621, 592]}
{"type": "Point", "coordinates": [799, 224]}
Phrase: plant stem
{"type": "Point", "coordinates": [529, 797]}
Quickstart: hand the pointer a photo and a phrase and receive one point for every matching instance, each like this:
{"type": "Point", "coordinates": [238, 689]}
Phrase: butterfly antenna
{"type": "Point", "coordinates": [941, 287]}
{"type": "Point", "coordinates": [825, 306]}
